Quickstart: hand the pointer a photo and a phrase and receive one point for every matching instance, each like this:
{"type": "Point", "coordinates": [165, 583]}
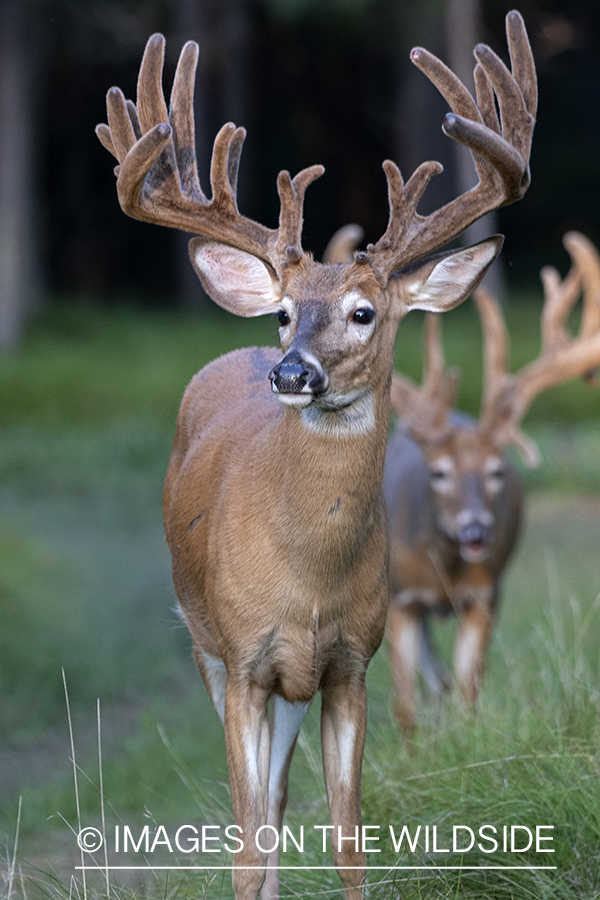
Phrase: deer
{"type": "Point", "coordinates": [272, 502]}
{"type": "Point", "coordinates": [455, 500]}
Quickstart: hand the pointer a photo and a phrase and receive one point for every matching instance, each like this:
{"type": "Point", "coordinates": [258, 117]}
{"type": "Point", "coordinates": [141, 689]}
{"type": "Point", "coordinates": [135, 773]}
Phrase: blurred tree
{"type": "Point", "coordinates": [19, 247]}
{"type": "Point", "coordinates": [464, 29]}
{"type": "Point", "coordinates": [325, 81]}
{"type": "Point", "coordinates": [420, 109]}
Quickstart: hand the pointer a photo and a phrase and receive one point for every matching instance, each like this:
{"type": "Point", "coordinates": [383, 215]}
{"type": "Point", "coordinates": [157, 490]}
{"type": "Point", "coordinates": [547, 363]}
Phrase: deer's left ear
{"type": "Point", "coordinates": [443, 281]}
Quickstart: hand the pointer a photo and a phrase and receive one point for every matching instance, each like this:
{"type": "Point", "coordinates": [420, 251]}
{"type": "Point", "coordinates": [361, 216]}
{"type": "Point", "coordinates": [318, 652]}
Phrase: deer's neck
{"type": "Point", "coordinates": [357, 421]}
{"type": "Point", "coordinates": [330, 467]}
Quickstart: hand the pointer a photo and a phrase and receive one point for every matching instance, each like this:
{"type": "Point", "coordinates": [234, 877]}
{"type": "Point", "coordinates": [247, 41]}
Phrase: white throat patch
{"type": "Point", "coordinates": [352, 421]}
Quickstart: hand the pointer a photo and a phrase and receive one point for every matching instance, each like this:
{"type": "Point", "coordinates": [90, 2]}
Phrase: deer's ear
{"type": "Point", "coordinates": [444, 280]}
{"type": "Point", "coordinates": [239, 282]}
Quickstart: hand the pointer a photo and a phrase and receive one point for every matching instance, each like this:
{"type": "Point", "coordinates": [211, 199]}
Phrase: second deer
{"type": "Point", "coordinates": [454, 500]}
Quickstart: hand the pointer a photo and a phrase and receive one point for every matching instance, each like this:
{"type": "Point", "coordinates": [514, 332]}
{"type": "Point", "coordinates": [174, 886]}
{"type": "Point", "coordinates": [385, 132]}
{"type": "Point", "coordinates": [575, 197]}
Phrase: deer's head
{"type": "Point", "coordinates": [467, 467]}
{"type": "Point", "coordinates": [337, 323]}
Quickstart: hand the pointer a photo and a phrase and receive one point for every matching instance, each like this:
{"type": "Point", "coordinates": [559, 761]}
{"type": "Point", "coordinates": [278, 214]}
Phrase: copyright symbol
{"type": "Point", "coordinates": [90, 839]}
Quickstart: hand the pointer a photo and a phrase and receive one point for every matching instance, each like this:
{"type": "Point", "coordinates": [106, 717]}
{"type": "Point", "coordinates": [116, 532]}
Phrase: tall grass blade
{"type": "Point", "coordinates": [102, 797]}
{"type": "Point", "coordinates": [11, 876]}
{"type": "Point", "coordinates": [77, 806]}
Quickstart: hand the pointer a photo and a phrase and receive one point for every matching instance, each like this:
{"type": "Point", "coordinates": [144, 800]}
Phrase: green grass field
{"type": "Point", "coordinates": [87, 412]}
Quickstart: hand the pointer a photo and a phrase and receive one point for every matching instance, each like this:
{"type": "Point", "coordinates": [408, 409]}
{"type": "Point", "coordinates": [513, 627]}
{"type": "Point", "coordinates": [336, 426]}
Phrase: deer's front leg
{"type": "Point", "coordinates": [437, 678]}
{"type": "Point", "coordinates": [287, 719]}
{"type": "Point", "coordinates": [343, 727]}
{"type": "Point", "coordinates": [247, 741]}
{"type": "Point", "coordinates": [472, 639]}
{"type": "Point", "coordinates": [405, 638]}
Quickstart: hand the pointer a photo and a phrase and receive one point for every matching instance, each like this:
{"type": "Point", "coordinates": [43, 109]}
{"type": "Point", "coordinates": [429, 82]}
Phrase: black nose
{"type": "Point", "coordinates": [289, 376]}
{"type": "Point", "coordinates": [474, 533]}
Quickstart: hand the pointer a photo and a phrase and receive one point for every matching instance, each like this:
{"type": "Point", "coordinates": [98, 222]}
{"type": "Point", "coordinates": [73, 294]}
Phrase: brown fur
{"type": "Point", "coordinates": [259, 569]}
{"type": "Point", "coordinates": [276, 523]}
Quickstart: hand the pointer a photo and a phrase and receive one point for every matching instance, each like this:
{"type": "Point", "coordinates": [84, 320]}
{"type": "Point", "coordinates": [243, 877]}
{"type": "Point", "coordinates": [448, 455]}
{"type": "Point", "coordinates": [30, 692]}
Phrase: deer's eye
{"type": "Point", "coordinates": [283, 317]}
{"type": "Point", "coordinates": [364, 315]}
{"type": "Point", "coordinates": [438, 474]}
{"type": "Point", "coordinates": [495, 471]}
{"type": "Point", "coordinates": [495, 479]}
{"type": "Point", "coordinates": [441, 474]}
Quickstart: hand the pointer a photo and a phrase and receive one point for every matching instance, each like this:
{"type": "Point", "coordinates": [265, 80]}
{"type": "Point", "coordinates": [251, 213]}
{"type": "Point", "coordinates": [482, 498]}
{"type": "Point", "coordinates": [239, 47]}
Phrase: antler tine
{"type": "Point", "coordinates": [485, 99]}
{"type": "Point", "coordinates": [433, 353]}
{"type": "Point", "coordinates": [148, 183]}
{"type": "Point", "coordinates": [181, 120]}
{"type": "Point", "coordinates": [223, 197]}
{"type": "Point", "coordinates": [404, 394]}
{"type": "Point", "coordinates": [527, 447]}
{"type": "Point", "coordinates": [566, 363]}
{"type": "Point", "coordinates": [559, 297]}
{"type": "Point", "coordinates": [425, 408]}
{"type": "Point", "coordinates": [403, 222]}
{"type": "Point", "coordinates": [521, 59]}
{"type": "Point", "coordinates": [440, 385]}
{"type": "Point", "coordinates": [496, 344]}
{"type": "Point", "coordinates": [587, 260]}
{"type": "Point", "coordinates": [512, 110]}
{"type": "Point", "coordinates": [104, 136]}
{"type": "Point", "coordinates": [408, 398]}
{"type": "Point", "coordinates": [235, 152]}
{"type": "Point", "coordinates": [157, 176]}
{"type": "Point", "coordinates": [291, 194]}
{"type": "Point", "coordinates": [501, 150]}
{"type": "Point", "coordinates": [496, 404]}
{"type": "Point", "coordinates": [151, 106]}
{"type": "Point", "coordinates": [563, 357]}
{"type": "Point", "coordinates": [342, 244]}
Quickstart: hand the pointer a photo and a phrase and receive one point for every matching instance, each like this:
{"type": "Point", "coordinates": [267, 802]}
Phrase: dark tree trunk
{"type": "Point", "coordinates": [18, 246]}
{"type": "Point", "coordinates": [464, 29]}
{"type": "Point", "coordinates": [421, 110]}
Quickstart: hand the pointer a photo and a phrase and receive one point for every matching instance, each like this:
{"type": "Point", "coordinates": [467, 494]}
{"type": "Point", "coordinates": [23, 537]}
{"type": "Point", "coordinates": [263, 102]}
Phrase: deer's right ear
{"type": "Point", "coordinates": [238, 281]}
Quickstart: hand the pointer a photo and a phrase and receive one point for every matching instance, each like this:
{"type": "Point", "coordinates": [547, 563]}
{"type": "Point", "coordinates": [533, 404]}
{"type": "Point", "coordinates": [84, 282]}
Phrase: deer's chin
{"type": "Point", "coordinates": [298, 400]}
{"type": "Point", "coordinates": [474, 551]}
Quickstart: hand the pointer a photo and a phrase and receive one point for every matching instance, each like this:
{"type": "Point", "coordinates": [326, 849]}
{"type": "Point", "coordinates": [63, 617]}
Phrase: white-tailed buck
{"type": "Point", "coordinates": [273, 507]}
{"type": "Point", "coordinates": [454, 501]}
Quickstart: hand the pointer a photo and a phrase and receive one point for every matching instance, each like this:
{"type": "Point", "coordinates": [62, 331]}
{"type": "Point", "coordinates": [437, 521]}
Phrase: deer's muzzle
{"type": "Point", "coordinates": [296, 374]}
{"type": "Point", "coordinates": [474, 540]}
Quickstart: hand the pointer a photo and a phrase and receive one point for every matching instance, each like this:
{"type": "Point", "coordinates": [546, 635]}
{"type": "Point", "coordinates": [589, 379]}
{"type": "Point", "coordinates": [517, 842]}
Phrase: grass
{"type": "Point", "coordinates": [87, 412]}
{"type": "Point", "coordinates": [530, 757]}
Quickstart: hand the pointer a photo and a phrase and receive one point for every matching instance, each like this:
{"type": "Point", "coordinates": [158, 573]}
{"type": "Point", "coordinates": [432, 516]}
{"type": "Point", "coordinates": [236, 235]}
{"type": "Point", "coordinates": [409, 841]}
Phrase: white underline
{"type": "Point", "coordinates": [102, 868]}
